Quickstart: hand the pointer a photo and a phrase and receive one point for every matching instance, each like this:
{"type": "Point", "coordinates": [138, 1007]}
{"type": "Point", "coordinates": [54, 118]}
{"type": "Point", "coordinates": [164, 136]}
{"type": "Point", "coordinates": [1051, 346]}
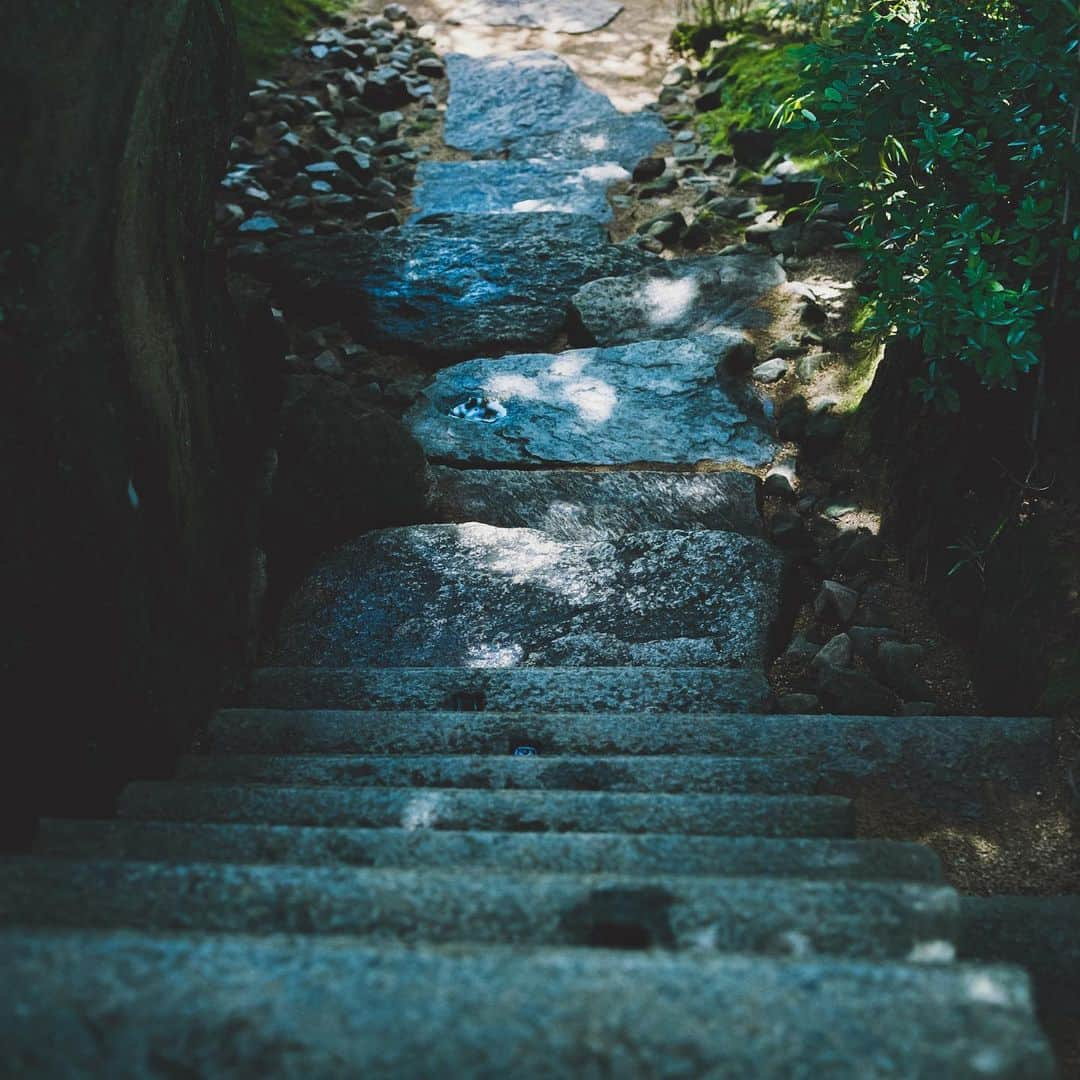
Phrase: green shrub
{"type": "Point", "coordinates": [269, 28]}
{"type": "Point", "coordinates": [956, 124]}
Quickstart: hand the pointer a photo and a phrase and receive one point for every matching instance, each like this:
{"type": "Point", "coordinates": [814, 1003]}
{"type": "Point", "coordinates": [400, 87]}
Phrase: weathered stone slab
{"type": "Point", "coordinates": [650, 402]}
{"type": "Point", "coordinates": [477, 596]}
{"type": "Point", "coordinates": [872, 920]}
{"type": "Point", "coordinates": [678, 299]}
{"type": "Point", "coordinates": [501, 811]}
{"type": "Point", "coordinates": [636, 690]}
{"type": "Point", "coordinates": [559, 16]}
{"type": "Point", "coordinates": [453, 285]}
{"type": "Point", "coordinates": [495, 101]}
{"type": "Point", "coordinates": [514, 187]}
{"type": "Point", "coordinates": [625, 138]}
{"type": "Point", "coordinates": [75, 1003]}
{"type": "Point", "coordinates": [570, 504]}
{"type": "Point", "coordinates": [947, 759]}
{"type": "Point", "coordinates": [700, 774]}
{"type": "Point", "coordinates": [587, 853]}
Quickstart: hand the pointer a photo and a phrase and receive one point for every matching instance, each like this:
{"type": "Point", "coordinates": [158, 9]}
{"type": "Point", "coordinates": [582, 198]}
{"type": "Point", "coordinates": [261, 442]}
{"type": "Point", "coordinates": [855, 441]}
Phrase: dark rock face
{"type": "Point", "coordinates": [343, 467]}
{"type": "Point", "coordinates": [129, 450]}
{"type": "Point", "coordinates": [453, 285]}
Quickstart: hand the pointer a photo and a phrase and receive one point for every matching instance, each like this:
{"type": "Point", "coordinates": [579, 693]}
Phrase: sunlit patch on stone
{"type": "Point", "coordinates": [479, 409]}
{"type": "Point", "coordinates": [932, 952]}
{"type": "Point", "coordinates": [422, 812]}
{"type": "Point", "coordinates": [524, 751]}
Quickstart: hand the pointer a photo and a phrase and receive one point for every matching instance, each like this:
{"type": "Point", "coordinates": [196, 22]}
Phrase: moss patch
{"type": "Point", "coordinates": [758, 75]}
{"type": "Point", "coordinates": [268, 28]}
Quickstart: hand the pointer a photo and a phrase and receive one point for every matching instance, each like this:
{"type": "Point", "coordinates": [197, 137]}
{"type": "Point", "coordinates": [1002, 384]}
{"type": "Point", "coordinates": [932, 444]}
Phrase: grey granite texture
{"type": "Point", "coordinates": [452, 285]}
{"type": "Point", "coordinates": [476, 596]}
{"type": "Point", "coordinates": [127, 1004]}
{"type": "Point", "coordinates": [947, 755]}
{"type": "Point", "coordinates": [873, 920]}
{"type": "Point", "coordinates": [651, 402]}
{"type": "Point", "coordinates": [624, 138]}
{"type": "Point", "coordinates": [677, 299]}
{"type": "Point", "coordinates": [574, 504]}
{"type": "Point", "coordinates": [499, 811]}
{"type": "Point", "coordinates": [818, 858]}
{"type": "Point", "coordinates": [513, 690]}
{"type": "Point", "coordinates": [734, 775]}
{"type": "Point", "coordinates": [495, 101]}
{"type": "Point", "coordinates": [514, 187]}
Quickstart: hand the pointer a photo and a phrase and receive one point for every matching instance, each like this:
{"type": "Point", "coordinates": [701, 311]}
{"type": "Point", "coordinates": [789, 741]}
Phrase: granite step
{"type": "Point", "coordinates": [500, 811]}
{"type": "Point", "coordinates": [643, 404]}
{"type": "Point", "coordinates": [514, 187]}
{"type": "Point", "coordinates": [785, 917]}
{"type": "Point", "coordinates": [75, 1003]}
{"type": "Point", "coordinates": [733, 775]}
{"type": "Point", "coordinates": [512, 690]}
{"type": "Point", "coordinates": [473, 595]}
{"type": "Point", "coordinates": [958, 750]}
{"type": "Point", "coordinates": [819, 858]}
{"type": "Point", "coordinates": [574, 504]}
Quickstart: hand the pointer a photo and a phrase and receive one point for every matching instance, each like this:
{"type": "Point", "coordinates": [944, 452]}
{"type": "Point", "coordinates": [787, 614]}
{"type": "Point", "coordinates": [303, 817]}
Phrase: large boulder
{"type": "Point", "coordinates": [658, 402]}
{"type": "Point", "coordinates": [453, 285]}
{"type": "Point", "coordinates": [624, 138]}
{"type": "Point", "coordinates": [678, 299]}
{"type": "Point", "coordinates": [506, 187]}
{"type": "Point", "coordinates": [130, 424]}
{"type": "Point", "coordinates": [495, 101]}
{"type": "Point", "coordinates": [478, 596]}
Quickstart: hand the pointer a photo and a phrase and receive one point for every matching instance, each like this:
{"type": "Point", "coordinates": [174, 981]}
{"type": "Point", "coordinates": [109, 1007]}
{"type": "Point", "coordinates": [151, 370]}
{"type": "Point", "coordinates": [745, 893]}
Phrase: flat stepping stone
{"type": "Point", "coordinates": [474, 595]}
{"type": "Point", "coordinates": [652, 402]}
{"type": "Point", "coordinates": [500, 811]}
{"type": "Point", "coordinates": [730, 775]}
{"type": "Point", "coordinates": [678, 299]}
{"type": "Point", "coordinates": [588, 853]}
{"type": "Point", "coordinates": [514, 187]}
{"type": "Point", "coordinates": [453, 285]}
{"type": "Point", "coordinates": [513, 690]}
{"type": "Point", "coordinates": [624, 138]}
{"type": "Point", "coordinates": [570, 504]}
{"type": "Point", "coordinates": [559, 16]}
{"type": "Point", "coordinates": [494, 101]}
{"type": "Point", "coordinates": [870, 920]}
{"type": "Point", "coordinates": [74, 1003]}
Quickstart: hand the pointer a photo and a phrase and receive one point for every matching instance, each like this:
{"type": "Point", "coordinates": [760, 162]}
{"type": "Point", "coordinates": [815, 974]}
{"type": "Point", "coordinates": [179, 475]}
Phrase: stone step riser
{"type": "Point", "coordinates": [512, 690]}
{"type": "Point", "coordinates": [513, 811]}
{"type": "Point", "coordinates": [775, 776]}
{"type": "Point", "coordinates": [587, 853]}
{"type": "Point", "coordinates": [762, 915]}
{"type": "Point", "coordinates": [960, 752]}
{"type": "Point", "coordinates": [77, 1003]}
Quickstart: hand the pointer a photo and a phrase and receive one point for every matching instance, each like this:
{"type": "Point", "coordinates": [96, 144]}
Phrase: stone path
{"type": "Point", "coordinates": [508, 799]}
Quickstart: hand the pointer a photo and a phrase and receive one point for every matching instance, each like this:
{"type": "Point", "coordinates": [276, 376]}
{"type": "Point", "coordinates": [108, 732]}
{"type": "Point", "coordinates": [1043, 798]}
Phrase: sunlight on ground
{"type": "Point", "coordinates": [565, 380]}
{"type": "Point", "coordinates": [625, 60]}
{"type": "Point", "coordinates": [666, 302]}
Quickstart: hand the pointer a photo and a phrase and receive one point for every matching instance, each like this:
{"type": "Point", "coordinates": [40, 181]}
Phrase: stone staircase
{"type": "Point", "coordinates": [645, 893]}
{"type": "Point", "coordinates": [510, 801]}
